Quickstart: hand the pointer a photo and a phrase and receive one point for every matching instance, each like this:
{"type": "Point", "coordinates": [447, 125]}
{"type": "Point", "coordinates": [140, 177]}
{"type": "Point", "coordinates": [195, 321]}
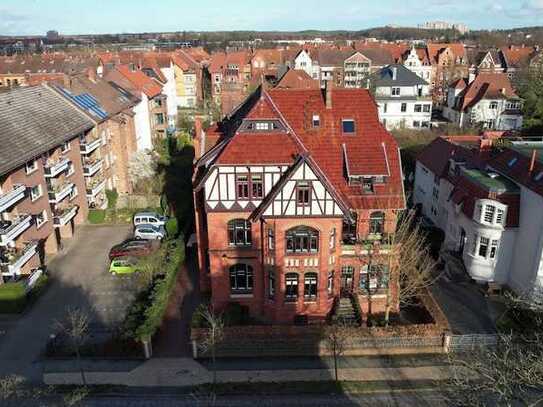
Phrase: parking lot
{"type": "Point", "coordinates": [79, 278]}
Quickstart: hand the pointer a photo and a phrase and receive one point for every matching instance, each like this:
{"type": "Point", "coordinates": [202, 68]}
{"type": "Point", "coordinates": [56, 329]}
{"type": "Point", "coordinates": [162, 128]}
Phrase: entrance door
{"type": "Point", "coordinates": [462, 241]}
{"type": "Point", "coordinates": [347, 273]}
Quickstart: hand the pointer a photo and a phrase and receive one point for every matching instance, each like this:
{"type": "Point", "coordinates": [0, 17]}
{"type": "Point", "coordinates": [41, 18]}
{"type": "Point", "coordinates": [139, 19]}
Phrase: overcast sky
{"type": "Point", "coordinates": [116, 16]}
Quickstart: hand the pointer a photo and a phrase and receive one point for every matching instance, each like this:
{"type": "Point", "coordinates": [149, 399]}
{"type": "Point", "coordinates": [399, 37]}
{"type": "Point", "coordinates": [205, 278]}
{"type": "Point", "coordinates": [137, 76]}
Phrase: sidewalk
{"type": "Point", "coordinates": [174, 372]}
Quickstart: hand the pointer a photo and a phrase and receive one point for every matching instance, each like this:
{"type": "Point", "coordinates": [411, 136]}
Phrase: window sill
{"type": "Point", "coordinates": [310, 299]}
{"type": "Point", "coordinates": [291, 300]}
{"type": "Point", "coordinates": [301, 254]}
{"type": "Point", "coordinates": [241, 295]}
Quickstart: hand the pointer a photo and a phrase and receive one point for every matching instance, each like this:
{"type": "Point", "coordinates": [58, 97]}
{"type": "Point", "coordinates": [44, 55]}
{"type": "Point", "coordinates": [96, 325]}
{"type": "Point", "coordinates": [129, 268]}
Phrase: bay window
{"type": "Point", "coordinates": [484, 247]}
{"type": "Point", "coordinates": [241, 278]}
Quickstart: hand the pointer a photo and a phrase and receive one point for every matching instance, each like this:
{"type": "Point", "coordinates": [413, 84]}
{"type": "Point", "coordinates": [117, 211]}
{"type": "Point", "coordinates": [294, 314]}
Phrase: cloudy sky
{"type": "Point", "coordinates": [115, 16]}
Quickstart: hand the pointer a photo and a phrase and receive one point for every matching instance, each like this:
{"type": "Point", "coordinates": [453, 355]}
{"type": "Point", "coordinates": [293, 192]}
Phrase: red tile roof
{"type": "Point", "coordinates": [298, 79]}
{"type": "Point", "coordinates": [434, 49]}
{"type": "Point", "coordinates": [487, 86]}
{"type": "Point", "coordinates": [141, 81]}
{"type": "Point", "coordinates": [518, 56]}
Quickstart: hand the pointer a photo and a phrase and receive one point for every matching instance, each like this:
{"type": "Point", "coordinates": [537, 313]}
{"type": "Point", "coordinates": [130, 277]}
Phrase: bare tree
{"type": "Point", "coordinates": [76, 329]}
{"type": "Point", "coordinates": [509, 374]}
{"type": "Point", "coordinates": [213, 337]}
{"type": "Point", "coordinates": [407, 261]}
{"type": "Point", "coordinates": [336, 337]}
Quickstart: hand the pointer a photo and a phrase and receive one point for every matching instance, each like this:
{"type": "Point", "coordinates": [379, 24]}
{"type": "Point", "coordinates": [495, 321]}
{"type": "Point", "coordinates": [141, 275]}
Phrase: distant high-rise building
{"type": "Point", "coordinates": [443, 25]}
{"type": "Point", "coordinates": [52, 35]}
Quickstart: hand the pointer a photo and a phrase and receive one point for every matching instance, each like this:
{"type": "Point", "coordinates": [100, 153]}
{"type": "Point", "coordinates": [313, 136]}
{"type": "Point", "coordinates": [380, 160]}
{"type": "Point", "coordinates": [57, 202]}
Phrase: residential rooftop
{"type": "Point", "coordinates": [491, 181]}
{"type": "Point", "coordinates": [527, 148]}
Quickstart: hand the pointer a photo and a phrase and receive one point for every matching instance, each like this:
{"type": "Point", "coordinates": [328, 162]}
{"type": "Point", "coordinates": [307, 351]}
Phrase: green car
{"type": "Point", "coordinates": [123, 265]}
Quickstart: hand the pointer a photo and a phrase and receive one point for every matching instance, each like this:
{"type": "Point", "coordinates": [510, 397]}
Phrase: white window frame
{"type": "Point", "coordinates": [66, 146]}
{"type": "Point", "coordinates": [395, 91]}
{"type": "Point", "coordinates": [31, 167]}
{"type": "Point", "coordinates": [39, 223]}
{"type": "Point", "coordinates": [34, 198]}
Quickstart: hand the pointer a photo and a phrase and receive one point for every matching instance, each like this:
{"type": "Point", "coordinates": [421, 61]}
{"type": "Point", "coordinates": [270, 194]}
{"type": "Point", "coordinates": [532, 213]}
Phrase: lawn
{"type": "Point", "coordinates": [14, 298]}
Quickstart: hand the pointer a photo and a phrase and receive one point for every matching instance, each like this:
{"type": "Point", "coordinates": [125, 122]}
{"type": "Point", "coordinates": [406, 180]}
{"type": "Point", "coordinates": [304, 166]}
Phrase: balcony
{"type": "Point", "coordinates": [52, 169]}
{"type": "Point", "coordinates": [90, 168]}
{"type": "Point", "coordinates": [95, 187]}
{"type": "Point", "coordinates": [87, 147]}
{"type": "Point", "coordinates": [58, 192]}
{"type": "Point", "coordinates": [10, 198]}
{"type": "Point", "coordinates": [11, 229]}
{"type": "Point", "coordinates": [61, 217]}
{"type": "Point", "coordinates": [13, 260]}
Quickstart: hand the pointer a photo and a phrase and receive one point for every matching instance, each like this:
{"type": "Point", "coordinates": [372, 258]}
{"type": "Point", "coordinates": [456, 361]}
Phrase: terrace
{"type": "Point", "coordinates": [11, 229]}
{"type": "Point", "coordinates": [62, 216]}
{"type": "Point", "coordinates": [10, 198]}
{"type": "Point", "coordinates": [54, 168]}
{"type": "Point", "coordinates": [58, 191]}
{"type": "Point", "coordinates": [12, 260]}
{"type": "Point", "coordinates": [91, 167]}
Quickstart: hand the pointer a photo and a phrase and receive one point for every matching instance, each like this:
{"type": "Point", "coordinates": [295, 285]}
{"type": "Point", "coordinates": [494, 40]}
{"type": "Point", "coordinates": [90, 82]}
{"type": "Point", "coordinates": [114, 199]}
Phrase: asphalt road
{"type": "Point", "coordinates": [78, 279]}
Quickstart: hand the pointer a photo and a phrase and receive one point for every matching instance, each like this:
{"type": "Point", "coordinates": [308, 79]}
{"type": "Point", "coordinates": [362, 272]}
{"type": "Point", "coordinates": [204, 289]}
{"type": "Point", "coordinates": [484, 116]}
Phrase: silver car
{"type": "Point", "coordinates": [149, 232]}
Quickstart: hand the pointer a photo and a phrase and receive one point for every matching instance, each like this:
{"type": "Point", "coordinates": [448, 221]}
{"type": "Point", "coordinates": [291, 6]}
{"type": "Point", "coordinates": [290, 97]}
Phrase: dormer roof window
{"type": "Point", "coordinates": [348, 126]}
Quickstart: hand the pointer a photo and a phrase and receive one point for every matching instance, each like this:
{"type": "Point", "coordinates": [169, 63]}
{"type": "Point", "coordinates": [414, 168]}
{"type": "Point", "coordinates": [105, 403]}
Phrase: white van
{"type": "Point", "coordinates": [149, 218]}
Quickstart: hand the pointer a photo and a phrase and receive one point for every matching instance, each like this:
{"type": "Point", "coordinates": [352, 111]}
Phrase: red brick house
{"type": "Point", "coordinates": [294, 185]}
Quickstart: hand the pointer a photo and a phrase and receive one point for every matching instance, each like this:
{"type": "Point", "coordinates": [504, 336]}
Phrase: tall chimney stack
{"type": "Point", "coordinates": [328, 94]}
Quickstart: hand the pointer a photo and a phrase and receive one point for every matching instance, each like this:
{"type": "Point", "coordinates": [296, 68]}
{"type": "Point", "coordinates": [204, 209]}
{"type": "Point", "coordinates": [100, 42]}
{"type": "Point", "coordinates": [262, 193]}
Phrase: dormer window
{"type": "Point", "coordinates": [262, 125]}
{"type": "Point", "coordinates": [512, 161]}
{"type": "Point", "coordinates": [316, 120]}
{"type": "Point", "coordinates": [348, 126]}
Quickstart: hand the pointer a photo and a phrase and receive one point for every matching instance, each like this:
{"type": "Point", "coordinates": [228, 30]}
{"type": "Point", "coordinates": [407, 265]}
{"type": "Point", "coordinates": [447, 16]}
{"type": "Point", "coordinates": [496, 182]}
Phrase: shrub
{"type": "Point", "coordinates": [171, 227]}
{"type": "Point", "coordinates": [96, 216]}
{"type": "Point", "coordinates": [12, 298]}
{"type": "Point", "coordinates": [112, 197]}
{"type": "Point", "coordinates": [197, 320]}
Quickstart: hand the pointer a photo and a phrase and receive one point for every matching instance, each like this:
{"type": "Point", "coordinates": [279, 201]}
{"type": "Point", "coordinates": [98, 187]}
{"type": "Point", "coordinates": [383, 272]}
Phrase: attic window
{"type": "Point", "coordinates": [262, 125]}
{"type": "Point", "coordinates": [316, 120]}
{"type": "Point", "coordinates": [512, 161]}
{"type": "Point", "coordinates": [348, 126]}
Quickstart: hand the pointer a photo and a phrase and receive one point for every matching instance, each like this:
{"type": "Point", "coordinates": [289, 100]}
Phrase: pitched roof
{"type": "Point", "coordinates": [518, 56]}
{"type": "Point", "coordinates": [297, 79]}
{"type": "Point", "coordinates": [404, 77]}
{"type": "Point", "coordinates": [487, 86]}
{"type": "Point", "coordinates": [32, 121]}
{"type": "Point", "coordinates": [435, 156]}
{"type": "Point", "coordinates": [434, 49]}
{"type": "Point", "coordinates": [140, 81]}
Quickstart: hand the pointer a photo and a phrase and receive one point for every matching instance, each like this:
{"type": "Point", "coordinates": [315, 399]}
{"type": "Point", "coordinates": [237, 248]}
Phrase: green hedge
{"type": "Point", "coordinates": [112, 195]}
{"type": "Point", "coordinates": [147, 312]}
{"type": "Point", "coordinates": [96, 216]}
{"type": "Point", "coordinates": [14, 299]}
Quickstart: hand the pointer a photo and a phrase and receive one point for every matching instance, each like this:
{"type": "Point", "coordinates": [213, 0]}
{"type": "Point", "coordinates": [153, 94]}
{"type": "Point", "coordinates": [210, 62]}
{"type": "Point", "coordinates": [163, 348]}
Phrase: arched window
{"type": "Point", "coordinates": [377, 222]}
{"type": "Point", "coordinates": [302, 239]}
{"type": "Point", "coordinates": [310, 286]}
{"type": "Point", "coordinates": [291, 287]}
{"type": "Point", "coordinates": [241, 278]}
{"type": "Point", "coordinates": [239, 232]}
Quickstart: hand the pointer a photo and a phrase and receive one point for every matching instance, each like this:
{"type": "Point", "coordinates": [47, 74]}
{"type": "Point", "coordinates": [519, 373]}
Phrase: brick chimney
{"type": "Point", "coordinates": [328, 94]}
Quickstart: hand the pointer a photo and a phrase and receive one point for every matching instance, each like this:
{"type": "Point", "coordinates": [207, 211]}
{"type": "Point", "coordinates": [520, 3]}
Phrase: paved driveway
{"type": "Point", "coordinates": [79, 278]}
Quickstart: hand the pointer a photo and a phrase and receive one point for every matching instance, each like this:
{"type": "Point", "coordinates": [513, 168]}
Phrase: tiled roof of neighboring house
{"type": "Point", "coordinates": [32, 121]}
{"type": "Point", "coordinates": [460, 83]}
{"type": "Point", "coordinates": [404, 77]}
{"type": "Point", "coordinates": [378, 56]}
{"type": "Point", "coordinates": [435, 156]}
{"type": "Point", "coordinates": [434, 49]}
{"type": "Point", "coordinates": [369, 149]}
{"type": "Point", "coordinates": [46, 63]}
{"type": "Point", "coordinates": [270, 56]}
{"type": "Point", "coordinates": [476, 56]}
{"type": "Point", "coordinates": [518, 56]}
{"type": "Point", "coordinates": [386, 50]}
{"type": "Point", "coordinates": [110, 98]}
{"type": "Point", "coordinates": [198, 54]}
{"type": "Point", "coordinates": [297, 79]}
{"type": "Point", "coordinates": [487, 86]}
{"type": "Point", "coordinates": [140, 81]}
{"type": "Point", "coordinates": [333, 57]}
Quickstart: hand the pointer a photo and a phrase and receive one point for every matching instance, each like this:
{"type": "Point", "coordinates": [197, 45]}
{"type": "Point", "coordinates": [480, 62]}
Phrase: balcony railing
{"type": "Point", "coordinates": [13, 260]}
{"type": "Point", "coordinates": [87, 147]}
{"type": "Point", "coordinates": [91, 168]}
{"type": "Point", "coordinates": [94, 188]}
{"type": "Point", "coordinates": [10, 230]}
{"type": "Point", "coordinates": [58, 192]}
{"type": "Point", "coordinates": [53, 169]}
{"type": "Point", "coordinates": [63, 216]}
{"type": "Point", "coordinates": [10, 198]}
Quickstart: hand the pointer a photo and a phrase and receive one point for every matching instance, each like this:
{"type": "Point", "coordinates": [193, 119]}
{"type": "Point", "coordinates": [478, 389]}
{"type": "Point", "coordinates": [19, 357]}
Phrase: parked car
{"type": "Point", "coordinates": [132, 247]}
{"type": "Point", "coordinates": [149, 232]}
{"type": "Point", "coordinates": [149, 218]}
{"type": "Point", "coordinates": [123, 265]}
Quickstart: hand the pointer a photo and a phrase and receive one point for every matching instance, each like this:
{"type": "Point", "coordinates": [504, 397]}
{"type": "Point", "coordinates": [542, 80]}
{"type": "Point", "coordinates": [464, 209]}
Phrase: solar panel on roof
{"type": "Point", "coordinates": [86, 102]}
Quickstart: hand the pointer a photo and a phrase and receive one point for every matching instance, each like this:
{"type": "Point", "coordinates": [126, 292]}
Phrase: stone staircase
{"type": "Point", "coordinates": [345, 312]}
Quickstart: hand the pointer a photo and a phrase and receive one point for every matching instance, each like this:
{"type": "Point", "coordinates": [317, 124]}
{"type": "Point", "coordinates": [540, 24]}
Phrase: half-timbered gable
{"type": "Point", "coordinates": [302, 192]}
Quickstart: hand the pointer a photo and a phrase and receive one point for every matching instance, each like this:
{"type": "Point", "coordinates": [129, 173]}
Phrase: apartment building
{"type": "Point", "coordinates": [488, 101]}
{"type": "Point", "coordinates": [107, 148]}
{"type": "Point", "coordinates": [403, 98]}
{"type": "Point", "coordinates": [42, 183]}
{"type": "Point", "coordinates": [356, 71]}
{"type": "Point", "coordinates": [449, 62]}
{"type": "Point", "coordinates": [489, 203]}
{"type": "Point", "coordinates": [293, 189]}
{"type": "Point", "coordinates": [150, 114]}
